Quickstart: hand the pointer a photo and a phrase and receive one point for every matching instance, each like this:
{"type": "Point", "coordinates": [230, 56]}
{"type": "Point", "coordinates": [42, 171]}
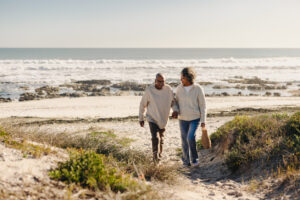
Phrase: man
{"type": "Point", "coordinates": [158, 99]}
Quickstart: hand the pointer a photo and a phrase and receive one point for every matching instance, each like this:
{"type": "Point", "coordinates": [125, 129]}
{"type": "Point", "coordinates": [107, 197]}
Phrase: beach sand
{"type": "Point", "coordinates": [124, 106]}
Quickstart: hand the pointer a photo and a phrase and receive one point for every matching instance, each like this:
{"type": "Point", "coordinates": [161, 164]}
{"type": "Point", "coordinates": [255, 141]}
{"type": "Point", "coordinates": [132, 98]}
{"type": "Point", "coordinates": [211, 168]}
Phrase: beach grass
{"type": "Point", "coordinates": [27, 148]}
{"type": "Point", "coordinates": [264, 150]}
{"type": "Point", "coordinates": [271, 138]}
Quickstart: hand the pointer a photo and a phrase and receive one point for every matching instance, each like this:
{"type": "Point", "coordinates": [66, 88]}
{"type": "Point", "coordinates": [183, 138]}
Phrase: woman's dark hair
{"type": "Point", "coordinates": [189, 73]}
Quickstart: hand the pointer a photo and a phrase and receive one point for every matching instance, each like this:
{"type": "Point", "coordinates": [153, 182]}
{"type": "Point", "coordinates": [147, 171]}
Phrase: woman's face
{"type": "Point", "coordinates": [185, 81]}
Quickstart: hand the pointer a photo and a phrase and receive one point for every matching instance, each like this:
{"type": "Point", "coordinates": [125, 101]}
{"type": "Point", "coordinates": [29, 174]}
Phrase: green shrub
{"type": "Point", "coordinates": [90, 169]}
{"type": "Point", "coordinates": [293, 125]}
{"type": "Point", "coordinates": [292, 139]}
{"type": "Point", "coordinates": [246, 128]}
{"type": "Point", "coordinates": [199, 144]}
{"type": "Point", "coordinates": [234, 159]}
{"type": "Point", "coordinates": [293, 133]}
{"type": "Point", "coordinates": [246, 139]}
{"type": "Point", "coordinates": [2, 133]}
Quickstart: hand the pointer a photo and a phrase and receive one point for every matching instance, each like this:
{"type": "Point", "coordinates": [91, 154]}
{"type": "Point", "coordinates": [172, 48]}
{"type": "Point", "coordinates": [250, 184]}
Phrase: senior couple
{"type": "Point", "coordinates": [188, 105]}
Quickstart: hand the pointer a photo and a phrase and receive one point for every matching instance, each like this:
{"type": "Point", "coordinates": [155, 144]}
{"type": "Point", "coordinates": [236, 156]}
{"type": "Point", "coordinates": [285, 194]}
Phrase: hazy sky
{"type": "Point", "coordinates": [151, 23]}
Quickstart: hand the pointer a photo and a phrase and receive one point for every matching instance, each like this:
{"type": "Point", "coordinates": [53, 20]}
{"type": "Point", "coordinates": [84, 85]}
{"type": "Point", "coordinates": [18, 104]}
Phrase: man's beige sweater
{"type": "Point", "coordinates": [191, 104]}
{"type": "Point", "coordinates": [158, 104]}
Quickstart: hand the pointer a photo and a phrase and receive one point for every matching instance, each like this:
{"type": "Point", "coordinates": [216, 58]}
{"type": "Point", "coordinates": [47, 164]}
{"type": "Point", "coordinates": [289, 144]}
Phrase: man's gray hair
{"type": "Point", "coordinates": [159, 75]}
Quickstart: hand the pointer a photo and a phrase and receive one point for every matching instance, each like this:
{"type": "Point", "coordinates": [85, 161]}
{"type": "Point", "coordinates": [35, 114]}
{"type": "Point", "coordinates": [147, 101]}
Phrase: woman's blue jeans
{"type": "Point", "coordinates": [188, 140]}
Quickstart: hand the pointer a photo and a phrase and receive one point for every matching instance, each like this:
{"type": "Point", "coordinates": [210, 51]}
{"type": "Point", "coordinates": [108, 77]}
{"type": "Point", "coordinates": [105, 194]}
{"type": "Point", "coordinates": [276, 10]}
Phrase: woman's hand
{"type": "Point", "coordinates": [202, 125]}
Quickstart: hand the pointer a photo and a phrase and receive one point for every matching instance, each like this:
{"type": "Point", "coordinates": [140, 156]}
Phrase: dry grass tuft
{"type": "Point", "coordinates": [27, 148]}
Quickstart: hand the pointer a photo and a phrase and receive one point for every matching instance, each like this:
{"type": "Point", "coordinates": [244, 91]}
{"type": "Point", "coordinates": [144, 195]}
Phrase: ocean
{"type": "Point", "coordinates": [36, 67]}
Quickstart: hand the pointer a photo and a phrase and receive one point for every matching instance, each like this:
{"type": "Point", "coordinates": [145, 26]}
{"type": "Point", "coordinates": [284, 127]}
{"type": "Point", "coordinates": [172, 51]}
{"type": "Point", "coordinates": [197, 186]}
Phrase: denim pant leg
{"type": "Point", "coordinates": [191, 138]}
{"type": "Point", "coordinates": [184, 128]}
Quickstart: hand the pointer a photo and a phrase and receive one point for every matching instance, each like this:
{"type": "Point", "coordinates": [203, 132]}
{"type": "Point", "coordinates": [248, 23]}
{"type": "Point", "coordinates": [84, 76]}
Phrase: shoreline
{"type": "Point", "coordinates": [230, 86]}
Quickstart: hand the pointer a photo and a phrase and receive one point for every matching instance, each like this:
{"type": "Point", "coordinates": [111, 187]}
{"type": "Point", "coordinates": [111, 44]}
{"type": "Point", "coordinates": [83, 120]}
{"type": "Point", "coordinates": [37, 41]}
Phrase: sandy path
{"type": "Point", "coordinates": [142, 136]}
{"type": "Point", "coordinates": [191, 186]}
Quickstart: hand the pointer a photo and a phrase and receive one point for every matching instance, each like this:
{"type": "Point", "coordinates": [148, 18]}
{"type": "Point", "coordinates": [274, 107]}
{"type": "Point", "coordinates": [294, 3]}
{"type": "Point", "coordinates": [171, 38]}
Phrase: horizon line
{"type": "Point", "coordinates": [149, 47]}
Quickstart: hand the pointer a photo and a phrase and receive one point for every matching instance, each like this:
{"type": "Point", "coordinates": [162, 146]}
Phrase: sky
{"type": "Point", "coordinates": [150, 23]}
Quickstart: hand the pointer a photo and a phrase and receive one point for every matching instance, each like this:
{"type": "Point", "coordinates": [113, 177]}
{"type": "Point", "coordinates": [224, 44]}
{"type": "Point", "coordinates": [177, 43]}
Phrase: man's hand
{"type": "Point", "coordinates": [175, 115]}
{"type": "Point", "coordinates": [142, 123]}
{"type": "Point", "coordinates": [202, 125]}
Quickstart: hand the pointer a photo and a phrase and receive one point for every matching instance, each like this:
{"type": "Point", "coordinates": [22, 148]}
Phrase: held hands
{"type": "Point", "coordinates": [142, 123]}
{"type": "Point", "coordinates": [175, 115]}
{"type": "Point", "coordinates": [202, 125]}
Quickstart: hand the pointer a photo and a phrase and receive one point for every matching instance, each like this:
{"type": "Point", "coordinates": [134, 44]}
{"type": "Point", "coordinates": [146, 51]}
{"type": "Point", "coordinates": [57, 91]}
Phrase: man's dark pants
{"type": "Point", "coordinates": [157, 140]}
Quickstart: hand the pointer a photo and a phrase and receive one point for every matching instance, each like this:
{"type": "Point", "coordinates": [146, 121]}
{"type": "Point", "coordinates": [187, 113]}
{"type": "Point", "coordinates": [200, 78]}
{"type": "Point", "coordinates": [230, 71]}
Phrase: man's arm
{"type": "Point", "coordinates": [143, 104]}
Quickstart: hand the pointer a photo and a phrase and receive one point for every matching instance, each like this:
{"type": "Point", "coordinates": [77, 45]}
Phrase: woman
{"type": "Point", "coordinates": [192, 111]}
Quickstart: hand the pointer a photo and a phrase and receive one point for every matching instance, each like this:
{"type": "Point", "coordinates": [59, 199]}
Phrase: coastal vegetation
{"type": "Point", "coordinates": [254, 148]}
{"type": "Point", "coordinates": [262, 150]}
{"type": "Point", "coordinates": [267, 139]}
{"type": "Point", "coordinates": [99, 161]}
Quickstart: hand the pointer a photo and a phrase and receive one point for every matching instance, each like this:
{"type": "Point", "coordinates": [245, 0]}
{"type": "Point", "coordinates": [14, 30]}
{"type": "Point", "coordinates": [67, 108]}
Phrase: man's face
{"type": "Point", "coordinates": [159, 82]}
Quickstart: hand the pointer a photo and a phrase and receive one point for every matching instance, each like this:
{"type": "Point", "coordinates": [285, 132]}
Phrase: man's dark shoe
{"type": "Point", "coordinates": [186, 164]}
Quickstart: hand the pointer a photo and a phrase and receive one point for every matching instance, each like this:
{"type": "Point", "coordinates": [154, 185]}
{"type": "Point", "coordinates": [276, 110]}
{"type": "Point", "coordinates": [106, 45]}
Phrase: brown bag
{"type": "Point", "coordinates": [206, 143]}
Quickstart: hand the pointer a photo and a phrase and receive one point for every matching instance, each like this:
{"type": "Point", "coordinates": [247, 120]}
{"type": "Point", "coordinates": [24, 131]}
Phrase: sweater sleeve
{"type": "Point", "coordinates": [175, 106]}
{"type": "Point", "coordinates": [202, 105]}
{"type": "Point", "coordinates": [143, 104]}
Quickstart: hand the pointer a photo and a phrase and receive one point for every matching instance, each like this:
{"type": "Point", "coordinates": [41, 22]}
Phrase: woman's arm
{"type": "Point", "coordinates": [175, 105]}
{"type": "Point", "coordinates": [202, 106]}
